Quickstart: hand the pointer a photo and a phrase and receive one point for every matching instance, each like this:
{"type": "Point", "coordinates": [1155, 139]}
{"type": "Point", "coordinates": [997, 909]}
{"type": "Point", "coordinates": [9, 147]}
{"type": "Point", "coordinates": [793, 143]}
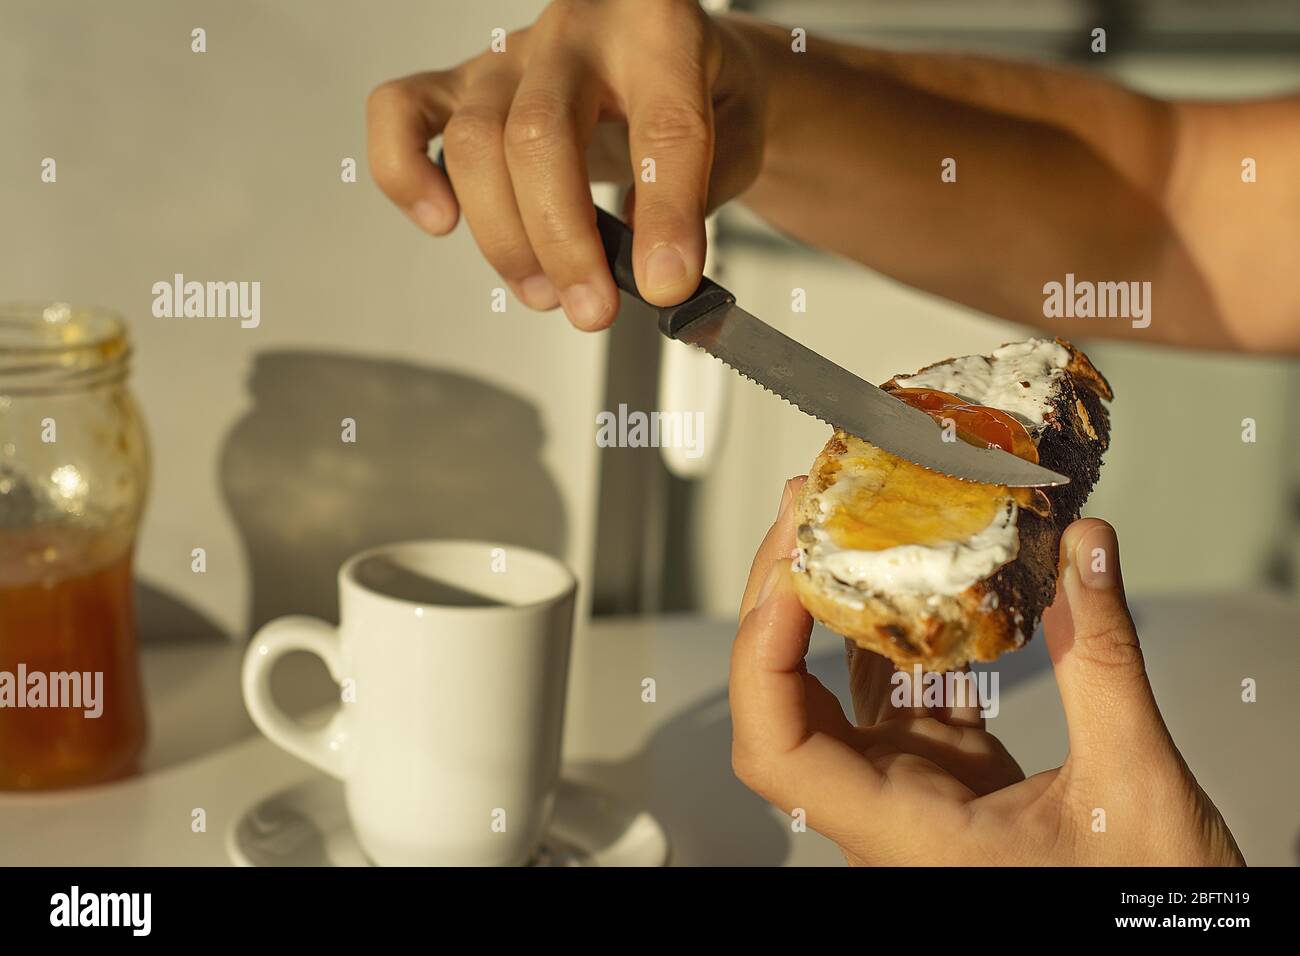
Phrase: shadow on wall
{"type": "Point", "coordinates": [436, 454]}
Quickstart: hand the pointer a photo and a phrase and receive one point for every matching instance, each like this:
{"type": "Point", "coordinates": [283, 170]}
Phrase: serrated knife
{"type": "Point", "coordinates": [711, 320]}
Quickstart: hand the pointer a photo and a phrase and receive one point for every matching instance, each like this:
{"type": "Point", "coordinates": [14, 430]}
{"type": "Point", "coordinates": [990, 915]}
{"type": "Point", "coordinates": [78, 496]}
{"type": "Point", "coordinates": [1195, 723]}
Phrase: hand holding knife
{"type": "Point", "coordinates": [710, 319]}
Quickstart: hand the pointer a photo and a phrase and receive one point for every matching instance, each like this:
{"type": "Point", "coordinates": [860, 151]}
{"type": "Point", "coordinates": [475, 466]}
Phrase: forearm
{"type": "Point", "coordinates": [1057, 174]}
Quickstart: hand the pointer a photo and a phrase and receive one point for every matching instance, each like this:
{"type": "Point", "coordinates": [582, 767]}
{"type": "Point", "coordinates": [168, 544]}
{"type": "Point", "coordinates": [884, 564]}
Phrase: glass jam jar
{"type": "Point", "coordinates": [74, 471]}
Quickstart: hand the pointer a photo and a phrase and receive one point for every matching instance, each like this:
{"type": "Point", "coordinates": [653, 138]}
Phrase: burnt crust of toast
{"type": "Point", "coordinates": [1000, 612]}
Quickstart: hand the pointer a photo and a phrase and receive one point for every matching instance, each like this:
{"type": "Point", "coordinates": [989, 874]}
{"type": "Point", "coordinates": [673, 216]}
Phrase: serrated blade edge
{"type": "Point", "coordinates": [818, 387]}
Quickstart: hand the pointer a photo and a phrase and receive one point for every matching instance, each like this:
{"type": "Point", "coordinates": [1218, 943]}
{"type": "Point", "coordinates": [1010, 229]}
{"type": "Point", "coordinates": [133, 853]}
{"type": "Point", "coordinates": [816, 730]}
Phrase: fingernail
{"type": "Point", "coordinates": [1096, 558]}
{"type": "Point", "coordinates": [431, 216]}
{"type": "Point", "coordinates": [539, 293]}
{"type": "Point", "coordinates": [584, 306]}
{"type": "Point", "coordinates": [769, 583]}
{"type": "Point", "coordinates": [787, 495]}
{"type": "Point", "coordinates": [664, 269]}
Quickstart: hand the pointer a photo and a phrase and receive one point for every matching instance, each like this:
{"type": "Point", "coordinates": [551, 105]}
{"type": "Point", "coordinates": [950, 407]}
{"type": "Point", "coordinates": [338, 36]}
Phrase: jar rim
{"type": "Point", "coordinates": [56, 346]}
{"type": "Point", "coordinates": [58, 326]}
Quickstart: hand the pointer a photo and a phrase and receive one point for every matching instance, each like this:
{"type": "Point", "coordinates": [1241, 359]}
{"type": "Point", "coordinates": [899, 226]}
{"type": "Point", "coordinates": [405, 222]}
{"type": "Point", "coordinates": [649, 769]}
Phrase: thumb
{"type": "Point", "coordinates": [1109, 707]}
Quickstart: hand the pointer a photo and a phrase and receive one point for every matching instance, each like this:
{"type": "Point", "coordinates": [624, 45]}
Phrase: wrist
{"type": "Point", "coordinates": [768, 71]}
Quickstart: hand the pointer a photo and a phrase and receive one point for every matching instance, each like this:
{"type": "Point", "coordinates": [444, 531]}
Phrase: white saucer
{"type": "Point", "coordinates": [308, 826]}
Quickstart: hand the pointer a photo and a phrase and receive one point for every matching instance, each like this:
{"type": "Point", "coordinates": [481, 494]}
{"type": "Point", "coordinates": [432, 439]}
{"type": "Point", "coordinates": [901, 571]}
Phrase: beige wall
{"type": "Point", "coordinates": [226, 166]}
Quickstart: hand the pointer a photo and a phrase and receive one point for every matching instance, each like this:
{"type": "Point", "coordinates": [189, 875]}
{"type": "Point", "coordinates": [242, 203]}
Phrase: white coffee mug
{"type": "Point", "coordinates": [452, 657]}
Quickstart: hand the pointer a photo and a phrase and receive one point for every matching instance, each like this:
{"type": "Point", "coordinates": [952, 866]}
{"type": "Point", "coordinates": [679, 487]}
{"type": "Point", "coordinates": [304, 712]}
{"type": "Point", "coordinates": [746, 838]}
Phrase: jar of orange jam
{"type": "Point", "coordinates": [74, 469]}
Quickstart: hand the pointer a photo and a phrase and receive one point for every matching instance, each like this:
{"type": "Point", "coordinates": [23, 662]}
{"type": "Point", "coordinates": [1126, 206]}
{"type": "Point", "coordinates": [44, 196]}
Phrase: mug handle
{"type": "Point", "coordinates": [323, 748]}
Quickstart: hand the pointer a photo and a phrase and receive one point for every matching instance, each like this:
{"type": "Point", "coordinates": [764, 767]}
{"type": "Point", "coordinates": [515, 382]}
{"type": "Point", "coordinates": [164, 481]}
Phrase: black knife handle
{"type": "Point", "coordinates": [616, 237]}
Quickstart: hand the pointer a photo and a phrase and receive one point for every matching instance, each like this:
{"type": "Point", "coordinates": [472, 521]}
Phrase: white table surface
{"type": "Point", "coordinates": [673, 756]}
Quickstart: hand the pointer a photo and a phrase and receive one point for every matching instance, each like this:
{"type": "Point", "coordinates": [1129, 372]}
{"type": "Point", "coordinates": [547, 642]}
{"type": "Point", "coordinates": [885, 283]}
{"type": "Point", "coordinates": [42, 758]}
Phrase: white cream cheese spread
{"type": "Point", "coordinates": [947, 568]}
{"type": "Point", "coordinates": [1017, 378]}
{"type": "Point", "coordinates": [1020, 379]}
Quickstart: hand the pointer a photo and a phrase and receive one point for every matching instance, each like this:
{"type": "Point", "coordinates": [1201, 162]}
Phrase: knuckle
{"type": "Point", "coordinates": [416, 94]}
{"type": "Point", "coordinates": [555, 244]}
{"type": "Point", "coordinates": [560, 13]}
{"type": "Point", "coordinates": [472, 132]}
{"type": "Point", "coordinates": [674, 124]}
{"type": "Point", "coordinates": [387, 97]}
{"type": "Point", "coordinates": [669, 215]}
{"type": "Point", "coordinates": [678, 26]}
{"type": "Point", "coordinates": [387, 172]}
{"type": "Point", "coordinates": [536, 123]}
{"type": "Point", "coordinates": [743, 765]}
{"type": "Point", "coordinates": [511, 256]}
{"type": "Point", "coordinates": [1112, 649]}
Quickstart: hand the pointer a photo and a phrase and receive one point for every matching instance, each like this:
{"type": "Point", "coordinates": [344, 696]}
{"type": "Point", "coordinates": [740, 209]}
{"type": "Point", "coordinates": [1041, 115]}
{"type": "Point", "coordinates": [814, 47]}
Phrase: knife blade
{"type": "Point", "coordinates": [826, 391]}
{"type": "Point", "coordinates": [711, 320]}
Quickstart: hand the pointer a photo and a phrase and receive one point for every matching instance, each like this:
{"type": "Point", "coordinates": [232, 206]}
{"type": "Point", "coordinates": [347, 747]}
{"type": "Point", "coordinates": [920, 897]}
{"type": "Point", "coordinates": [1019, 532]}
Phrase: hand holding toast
{"type": "Point", "coordinates": [932, 786]}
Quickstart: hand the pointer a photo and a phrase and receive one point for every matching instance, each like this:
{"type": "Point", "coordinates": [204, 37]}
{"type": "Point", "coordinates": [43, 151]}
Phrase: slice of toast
{"type": "Point", "coordinates": [931, 570]}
